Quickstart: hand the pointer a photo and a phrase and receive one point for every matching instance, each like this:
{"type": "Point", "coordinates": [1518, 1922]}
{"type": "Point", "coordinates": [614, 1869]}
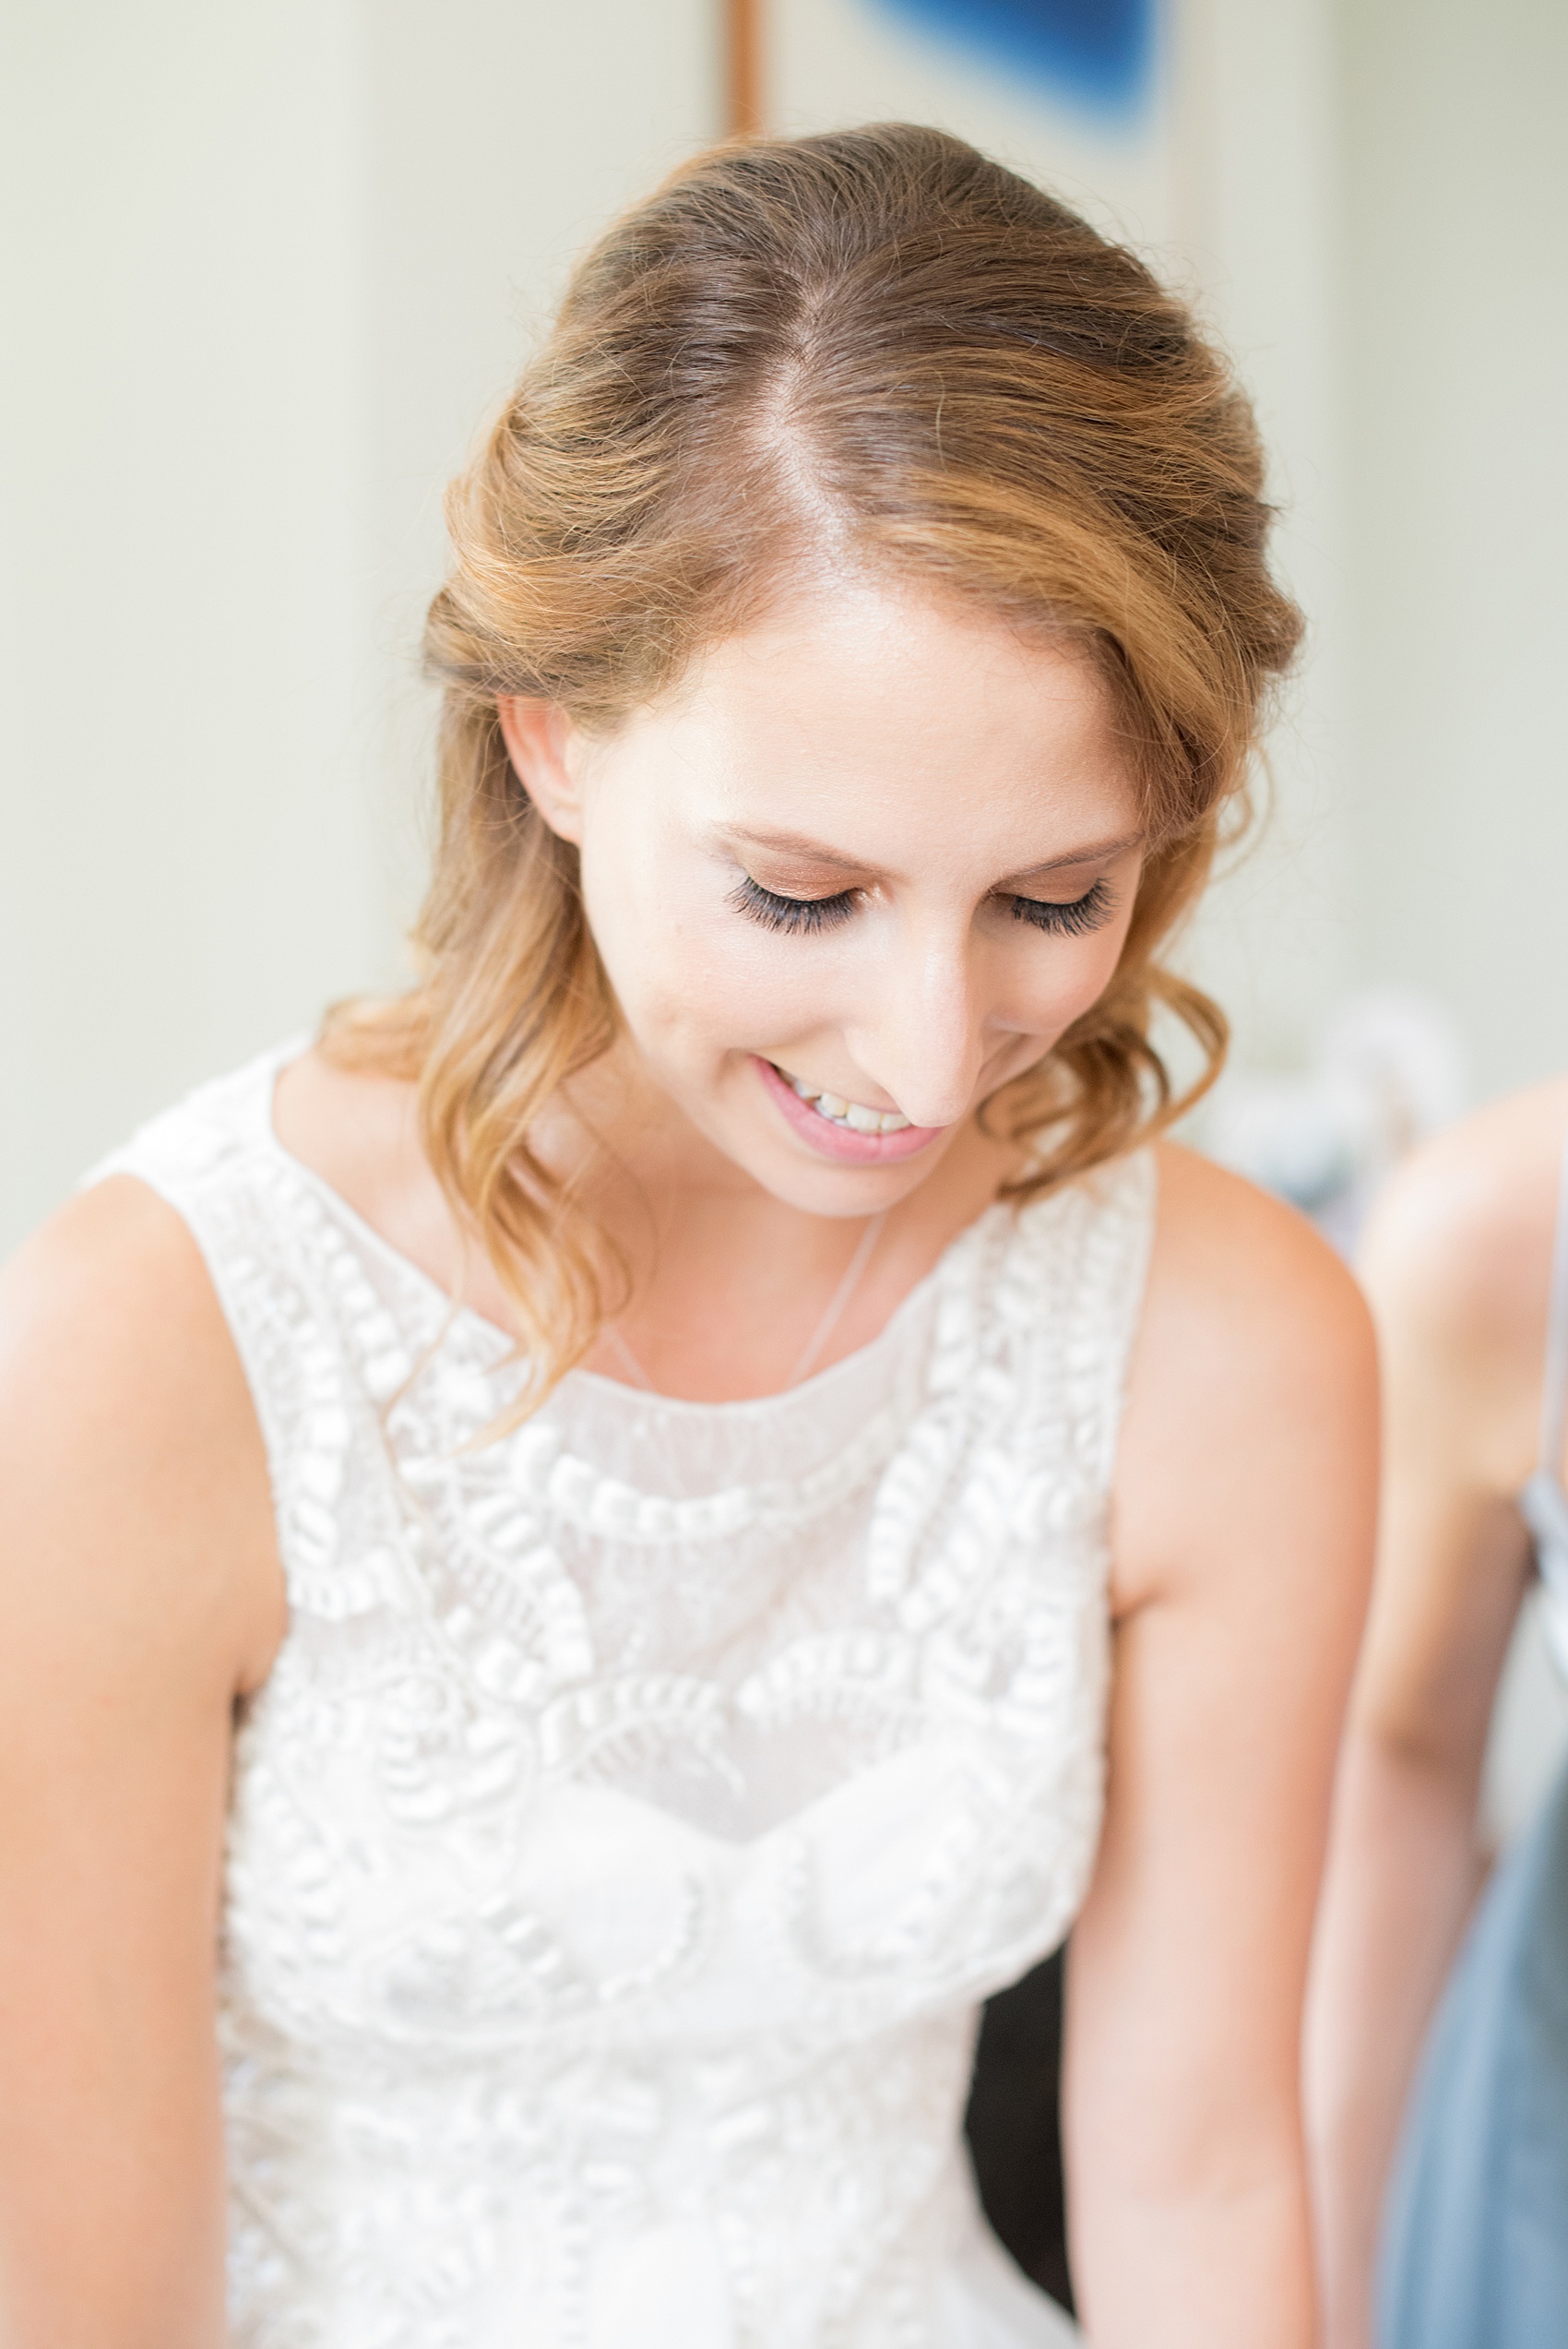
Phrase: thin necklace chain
{"type": "Point", "coordinates": [807, 1361]}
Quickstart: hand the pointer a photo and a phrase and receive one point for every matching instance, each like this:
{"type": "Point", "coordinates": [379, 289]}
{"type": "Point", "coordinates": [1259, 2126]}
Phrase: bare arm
{"type": "Point", "coordinates": [1242, 1549]}
{"type": "Point", "coordinates": [1457, 1271]}
{"type": "Point", "coordinates": [138, 1596]}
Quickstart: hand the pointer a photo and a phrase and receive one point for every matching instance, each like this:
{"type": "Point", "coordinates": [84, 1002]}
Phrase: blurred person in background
{"type": "Point", "coordinates": [1451, 2231]}
{"type": "Point", "coordinates": [590, 1560]}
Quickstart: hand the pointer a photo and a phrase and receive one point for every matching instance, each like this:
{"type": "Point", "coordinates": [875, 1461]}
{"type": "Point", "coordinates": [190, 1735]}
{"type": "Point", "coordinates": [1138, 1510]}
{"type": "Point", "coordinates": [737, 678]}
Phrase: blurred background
{"type": "Point", "coordinates": [270, 263]}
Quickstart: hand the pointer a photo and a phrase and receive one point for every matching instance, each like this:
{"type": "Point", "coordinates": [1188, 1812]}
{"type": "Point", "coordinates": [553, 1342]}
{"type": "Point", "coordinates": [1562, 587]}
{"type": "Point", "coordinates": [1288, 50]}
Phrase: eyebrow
{"type": "Point", "coordinates": [814, 852]}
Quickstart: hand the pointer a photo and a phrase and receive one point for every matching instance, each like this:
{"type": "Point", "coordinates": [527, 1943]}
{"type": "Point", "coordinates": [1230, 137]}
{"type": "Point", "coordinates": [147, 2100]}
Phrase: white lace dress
{"type": "Point", "coordinates": [640, 1805]}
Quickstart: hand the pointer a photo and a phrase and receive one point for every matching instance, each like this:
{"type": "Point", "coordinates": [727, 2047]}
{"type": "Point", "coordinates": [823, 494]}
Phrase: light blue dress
{"type": "Point", "coordinates": [1475, 2251]}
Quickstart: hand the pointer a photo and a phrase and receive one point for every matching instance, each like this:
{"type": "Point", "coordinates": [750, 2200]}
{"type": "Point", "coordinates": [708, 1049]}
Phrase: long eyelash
{"type": "Point", "coordinates": [776, 913]}
{"type": "Point", "coordinates": [1070, 921]}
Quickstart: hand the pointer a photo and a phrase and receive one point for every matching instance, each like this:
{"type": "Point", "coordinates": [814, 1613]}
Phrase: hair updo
{"type": "Point", "coordinates": [881, 332]}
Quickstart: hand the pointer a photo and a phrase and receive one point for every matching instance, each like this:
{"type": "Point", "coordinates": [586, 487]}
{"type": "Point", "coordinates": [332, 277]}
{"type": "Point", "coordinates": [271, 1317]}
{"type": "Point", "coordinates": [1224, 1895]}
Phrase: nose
{"type": "Point", "coordinates": [921, 1030]}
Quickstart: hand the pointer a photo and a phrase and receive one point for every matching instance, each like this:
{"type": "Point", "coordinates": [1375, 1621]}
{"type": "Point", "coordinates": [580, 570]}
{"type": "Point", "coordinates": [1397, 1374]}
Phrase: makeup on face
{"type": "Point", "coordinates": [863, 869]}
{"type": "Point", "coordinates": [806, 914]}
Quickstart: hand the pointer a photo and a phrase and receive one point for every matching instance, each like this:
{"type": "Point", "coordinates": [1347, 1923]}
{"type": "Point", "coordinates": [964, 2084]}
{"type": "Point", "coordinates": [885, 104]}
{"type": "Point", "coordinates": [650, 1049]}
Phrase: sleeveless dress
{"type": "Point", "coordinates": [641, 1802]}
{"type": "Point", "coordinates": [1475, 2246]}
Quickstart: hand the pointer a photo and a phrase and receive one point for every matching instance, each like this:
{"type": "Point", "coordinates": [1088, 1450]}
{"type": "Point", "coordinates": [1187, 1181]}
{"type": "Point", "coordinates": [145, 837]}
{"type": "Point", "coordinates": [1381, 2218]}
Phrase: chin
{"type": "Point", "coordinates": [822, 1187]}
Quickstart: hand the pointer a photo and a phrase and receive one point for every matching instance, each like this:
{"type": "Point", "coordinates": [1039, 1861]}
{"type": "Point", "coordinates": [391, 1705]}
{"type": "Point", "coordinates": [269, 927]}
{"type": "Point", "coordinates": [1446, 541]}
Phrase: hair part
{"type": "Point", "coordinates": [874, 348]}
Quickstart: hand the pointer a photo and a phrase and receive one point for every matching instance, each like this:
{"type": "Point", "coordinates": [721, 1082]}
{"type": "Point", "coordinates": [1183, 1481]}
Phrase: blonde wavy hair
{"type": "Point", "coordinates": [986, 396]}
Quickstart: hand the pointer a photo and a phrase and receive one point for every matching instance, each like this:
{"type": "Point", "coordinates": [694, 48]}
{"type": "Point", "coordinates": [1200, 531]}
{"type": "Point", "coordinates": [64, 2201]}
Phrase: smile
{"type": "Point", "coordinates": [838, 1112]}
{"type": "Point", "coordinates": [831, 1127]}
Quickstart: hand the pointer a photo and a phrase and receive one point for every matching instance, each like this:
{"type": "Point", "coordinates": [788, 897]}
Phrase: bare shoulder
{"type": "Point", "coordinates": [107, 1303]}
{"type": "Point", "coordinates": [1457, 1264]}
{"type": "Point", "coordinates": [1459, 1249]}
{"type": "Point", "coordinates": [358, 1131]}
{"type": "Point", "coordinates": [355, 1127]}
{"type": "Point", "coordinates": [132, 1470]}
{"type": "Point", "coordinates": [1254, 1379]}
{"type": "Point", "coordinates": [1240, 1281]}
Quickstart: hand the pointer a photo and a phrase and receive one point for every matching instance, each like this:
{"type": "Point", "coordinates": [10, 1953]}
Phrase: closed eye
{"type": "Point", "coordinates": [798, 914]}
{"type": "Point", "coordinates": [1074, 919]}
{"type": "Point", "coordinates": [1071, 920]}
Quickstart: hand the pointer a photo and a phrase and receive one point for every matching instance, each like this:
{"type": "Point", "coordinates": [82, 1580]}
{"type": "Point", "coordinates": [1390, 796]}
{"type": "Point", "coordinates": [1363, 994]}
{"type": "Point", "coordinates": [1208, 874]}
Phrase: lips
{"type": "Point", "coordinates": [841, 1112]}
{"type": "Point", "coordinates": [843, 1130]}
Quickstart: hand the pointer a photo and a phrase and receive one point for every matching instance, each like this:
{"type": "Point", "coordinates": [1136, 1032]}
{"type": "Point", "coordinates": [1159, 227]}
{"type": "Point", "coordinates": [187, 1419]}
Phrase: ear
{"type": "Point", "coordinates": [539, 738]}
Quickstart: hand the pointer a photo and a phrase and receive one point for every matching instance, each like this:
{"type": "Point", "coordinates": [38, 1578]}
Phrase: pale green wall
{"type": "Point", "coordinates": [1455, 178]}
{"type": "Point", "coordinates": [266, 265]}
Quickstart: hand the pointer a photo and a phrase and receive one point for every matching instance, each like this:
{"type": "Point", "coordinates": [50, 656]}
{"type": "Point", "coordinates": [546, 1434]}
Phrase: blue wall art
{"type": "Point", "coordinates": [1096, 55]}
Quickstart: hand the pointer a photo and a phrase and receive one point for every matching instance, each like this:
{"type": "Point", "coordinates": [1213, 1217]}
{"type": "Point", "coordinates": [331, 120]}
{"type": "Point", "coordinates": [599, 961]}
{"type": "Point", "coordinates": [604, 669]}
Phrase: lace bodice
{"type": "Point", "coordinates": [640, 1804]}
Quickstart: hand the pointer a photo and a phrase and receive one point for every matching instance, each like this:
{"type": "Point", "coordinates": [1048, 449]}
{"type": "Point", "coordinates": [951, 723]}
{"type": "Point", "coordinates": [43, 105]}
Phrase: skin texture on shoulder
{"type": "Point", "coordinates": [1243, 1536]}
{"type": "Point", "coordinates": [141, 1596]}
{"type": "Point", "coordinates": [1458, 1261]}
{"type": "Point", "coordinates": [1456, 1265]}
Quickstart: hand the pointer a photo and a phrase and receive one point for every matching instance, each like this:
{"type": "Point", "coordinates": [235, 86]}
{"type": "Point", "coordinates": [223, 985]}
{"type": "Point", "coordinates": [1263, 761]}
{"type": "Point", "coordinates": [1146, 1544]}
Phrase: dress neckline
{"type": "Point", "coordinates": [457, 1314]}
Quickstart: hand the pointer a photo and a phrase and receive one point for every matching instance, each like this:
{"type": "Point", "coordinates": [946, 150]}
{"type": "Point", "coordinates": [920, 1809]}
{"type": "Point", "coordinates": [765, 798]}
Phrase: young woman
{"type": "Point", "coordinates": [572, 1560]}
{"type": "Point", "coordinates": [1467, 1269]}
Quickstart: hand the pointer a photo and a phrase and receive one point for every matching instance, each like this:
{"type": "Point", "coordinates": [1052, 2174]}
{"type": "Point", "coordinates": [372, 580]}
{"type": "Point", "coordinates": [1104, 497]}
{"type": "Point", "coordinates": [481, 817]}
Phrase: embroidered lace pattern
{"type": "Point", "coordinates": [640, 1804]}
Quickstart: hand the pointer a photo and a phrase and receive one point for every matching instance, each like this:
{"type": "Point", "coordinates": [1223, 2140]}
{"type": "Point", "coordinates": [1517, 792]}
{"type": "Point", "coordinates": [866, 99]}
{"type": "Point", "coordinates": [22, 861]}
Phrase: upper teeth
{"type": "Point", "coordinates": [847, 1112]}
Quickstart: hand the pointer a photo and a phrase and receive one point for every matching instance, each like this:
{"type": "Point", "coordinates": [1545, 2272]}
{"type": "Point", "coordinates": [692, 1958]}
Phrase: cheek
{"type": "Point", "coordinates": [1075, 976]}
{"type": "Point", "coordinates": [1098, 964]}
{"type": "Point", "coordinates": [688, 973]}
{"type": "Point", "coordinates": [628, 913]}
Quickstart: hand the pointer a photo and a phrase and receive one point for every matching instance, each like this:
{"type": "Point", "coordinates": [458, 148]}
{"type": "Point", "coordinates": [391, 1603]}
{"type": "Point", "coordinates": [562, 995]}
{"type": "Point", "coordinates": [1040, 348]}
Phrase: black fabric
{"type": "Point", "coordinates": [1013, 2131]}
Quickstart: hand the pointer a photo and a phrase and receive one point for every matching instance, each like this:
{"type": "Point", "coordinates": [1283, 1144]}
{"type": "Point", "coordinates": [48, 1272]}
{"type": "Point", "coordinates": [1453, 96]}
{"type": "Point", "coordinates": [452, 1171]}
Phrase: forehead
{"type": "Point", "coordinates": [870, 716]}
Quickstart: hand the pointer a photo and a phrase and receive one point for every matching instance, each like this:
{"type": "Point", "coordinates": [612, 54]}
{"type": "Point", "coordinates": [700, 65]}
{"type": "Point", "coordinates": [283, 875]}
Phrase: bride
{"type": "Point", "coordinates": [592, 1558]}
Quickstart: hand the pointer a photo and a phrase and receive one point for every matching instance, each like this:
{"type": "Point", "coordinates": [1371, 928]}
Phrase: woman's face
{"type": "Point", "coordinates": [864, 865]}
